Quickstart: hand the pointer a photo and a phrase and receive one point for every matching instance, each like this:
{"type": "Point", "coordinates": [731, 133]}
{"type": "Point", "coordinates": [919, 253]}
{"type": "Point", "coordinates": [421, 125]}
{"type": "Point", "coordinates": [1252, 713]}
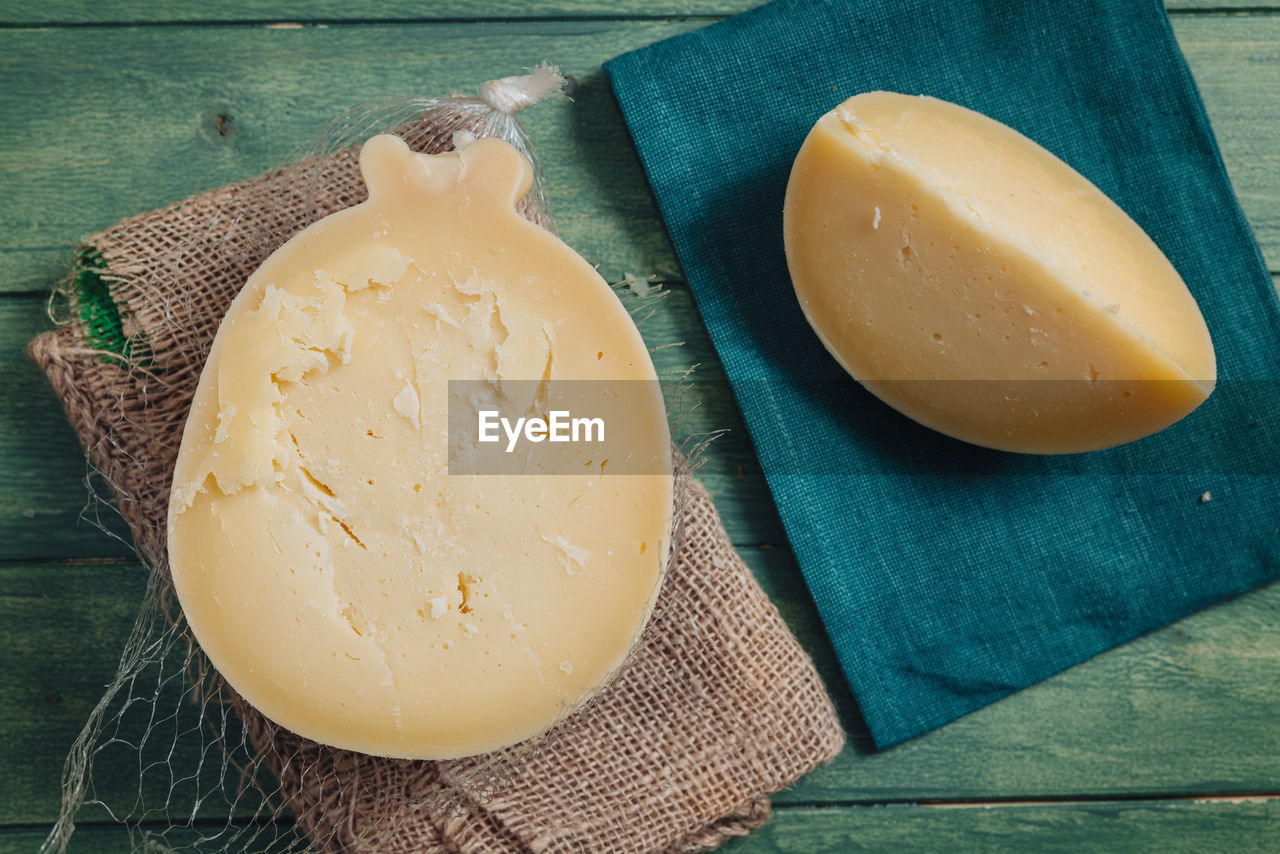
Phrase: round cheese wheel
{"type": "Point", "coordinates": [336, 570]}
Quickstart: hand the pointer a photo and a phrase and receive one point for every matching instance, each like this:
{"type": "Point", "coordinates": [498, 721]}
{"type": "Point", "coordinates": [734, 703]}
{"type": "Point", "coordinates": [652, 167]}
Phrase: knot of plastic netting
{"type": "Point", "coordinates": [510, 95]}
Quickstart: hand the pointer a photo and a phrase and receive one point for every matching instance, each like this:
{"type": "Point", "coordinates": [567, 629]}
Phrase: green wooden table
{"type": "Point", "coordinates": [1170, 744]}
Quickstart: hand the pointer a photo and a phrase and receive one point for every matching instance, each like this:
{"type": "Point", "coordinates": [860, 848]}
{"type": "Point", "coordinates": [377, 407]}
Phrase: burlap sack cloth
{"type": "Point", "coordinates": [720, 707]}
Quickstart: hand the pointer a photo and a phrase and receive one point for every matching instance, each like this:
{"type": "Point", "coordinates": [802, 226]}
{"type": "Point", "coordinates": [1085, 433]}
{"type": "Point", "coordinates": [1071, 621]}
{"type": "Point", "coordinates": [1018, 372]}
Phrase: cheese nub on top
{"type": "Point", "coordinates": [981, 286]}
{"type": "Point", "coordinates": [330, 566]}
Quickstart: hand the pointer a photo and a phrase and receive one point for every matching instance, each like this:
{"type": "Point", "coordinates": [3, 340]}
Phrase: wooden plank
{"type": "Point", "coordinates": [142, 104]}
{"type": "Point", "coordinates": [1250, 826]}
{"type": "Point", "coordinates": [44, 502]}
{"type": "Point", "coordinates": [15, 12]}
{"type": "Point", "coordinates": [1236, 64]}
{"type": "Point", "coordinates": [1133, 827]}
{"type": "Point", "coordinates": [34, 270]}
{"type": "Point", "coordinates": [204, 836]}
{"type": "Point", "coordinates": [64, 627]}
{"type": "Point", "coordinates": [1189, 709]}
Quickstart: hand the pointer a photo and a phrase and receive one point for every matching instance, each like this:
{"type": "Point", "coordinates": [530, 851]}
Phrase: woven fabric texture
{"type": "Point", "coordinates": [948, 575]}
{"type": "Point", "coordinates": [715, 710]}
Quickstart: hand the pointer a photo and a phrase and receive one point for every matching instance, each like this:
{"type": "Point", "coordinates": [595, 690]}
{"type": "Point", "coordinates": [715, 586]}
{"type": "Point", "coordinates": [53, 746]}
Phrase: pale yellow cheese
{"type": "Point", "coordinates": [981, 286]}
{"type": "Point", "coordinates": [334, 571]}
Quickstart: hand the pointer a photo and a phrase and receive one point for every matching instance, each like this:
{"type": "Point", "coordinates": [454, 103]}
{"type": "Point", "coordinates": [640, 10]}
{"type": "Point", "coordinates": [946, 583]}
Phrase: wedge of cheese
{"type": "Point", "coordinates": [329, 564]}
{"type": "Point", "coordinates": [978, 284]}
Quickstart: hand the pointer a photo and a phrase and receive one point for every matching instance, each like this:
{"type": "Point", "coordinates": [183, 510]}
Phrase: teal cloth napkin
{"type": "Point", "coordinates": [947, 575]}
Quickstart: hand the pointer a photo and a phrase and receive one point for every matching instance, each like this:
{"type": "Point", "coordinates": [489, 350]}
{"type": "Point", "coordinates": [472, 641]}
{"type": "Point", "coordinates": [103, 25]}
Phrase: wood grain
{"type": "Point", "coordinates": [145, 106]}
{"type": "Point", "coordinates": [45, 511]}
{"type": "Point", "coordinates": [1091, 827]}
{"type": "Point", "coordinates": [1088, 827]}
{"type": "Point", "coordinates": [15, 12]}
{"type": "Point", "coordinates": [1124, 747]}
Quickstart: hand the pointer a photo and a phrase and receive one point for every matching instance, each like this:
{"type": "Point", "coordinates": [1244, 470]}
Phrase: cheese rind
{"type": "Point", "coordinates": [981, 286]}
{"type": "Point", "coordinates": [330, 566]}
